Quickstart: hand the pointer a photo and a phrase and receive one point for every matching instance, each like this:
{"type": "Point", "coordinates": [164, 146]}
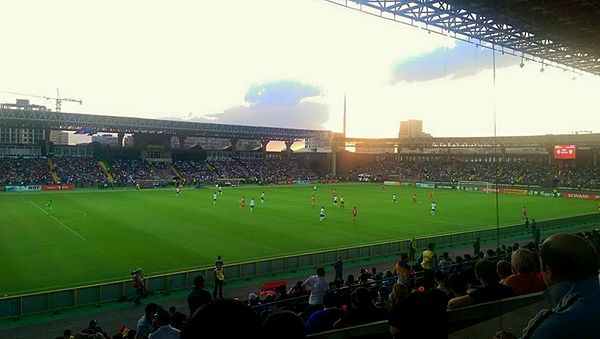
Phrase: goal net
{"type": "Point", "coordinates": [233, 182]}
{"type": "Point", "coordinates": [482, 186]}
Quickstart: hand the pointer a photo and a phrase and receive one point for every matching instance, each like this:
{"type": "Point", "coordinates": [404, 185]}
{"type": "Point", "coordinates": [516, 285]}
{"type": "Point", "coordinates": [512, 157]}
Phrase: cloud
{"type": "Point", "coordinates": [283, 103]}
{"type": "Point", "coordinates": [281, 93]}
{"type": "Point", "coordinates": [462, 60]}
{"type": "Point", "coordinates": [306, 114]}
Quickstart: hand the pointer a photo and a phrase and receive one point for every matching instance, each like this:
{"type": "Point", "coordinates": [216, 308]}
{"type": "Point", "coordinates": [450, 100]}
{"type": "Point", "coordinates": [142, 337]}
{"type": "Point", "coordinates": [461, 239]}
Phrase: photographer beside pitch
{"type": "Point", "coordinates": [570, 270]}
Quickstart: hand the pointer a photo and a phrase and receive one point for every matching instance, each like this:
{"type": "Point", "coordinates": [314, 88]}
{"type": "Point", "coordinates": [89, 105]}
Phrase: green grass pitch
{"type": "Point", "coordinates": [99, 236]}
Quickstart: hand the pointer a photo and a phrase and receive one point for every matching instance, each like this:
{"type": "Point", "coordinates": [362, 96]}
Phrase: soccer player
{"type": "Point", "coordinates": [314, 189]}
{"type": "Point", "coordinates": [220, 189]}
{"type": "Point", "coordinates": [414, 198]}
{"type": "Point", "coordinates": [214, 198]}
{"type": "Point", "coordinates": [335, 200]}
{"type": "Point", "coordinates": [252, 205]}
{"type": "Point", "coordinates": [49, 206]}
{"type": "Point", "coordinates": [342, 202]}
{"type": "Point", "coordinates": [322, 214]}
{"type": "Point", "coordinates": [354, 214]}
{"type": "Point", "coordinates": [394, 199]}
{"type": "Point", "coordinates": [178, 190]}
{"type": "Point", "coordinates": [333, 194]}
{"type": "Point", "coordinates": [243, 202]}
{"type": "Point", "coordinates": [383, 187]}
{"type": "Point", "coordinates": [524, 214]}
{"type": "Point", "coordinates": [433, 206]}
{"type": "Point", "coordinates": [312, 199]}
{"type": "Point", "coordinates": [430, 196]}
{"type": "Point", "coordinates": [262, 198]}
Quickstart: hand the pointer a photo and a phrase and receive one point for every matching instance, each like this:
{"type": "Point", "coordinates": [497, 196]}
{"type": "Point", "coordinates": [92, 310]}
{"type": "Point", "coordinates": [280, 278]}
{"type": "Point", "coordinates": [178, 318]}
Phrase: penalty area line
{"type": "Point", "coordinates": [58, 221]}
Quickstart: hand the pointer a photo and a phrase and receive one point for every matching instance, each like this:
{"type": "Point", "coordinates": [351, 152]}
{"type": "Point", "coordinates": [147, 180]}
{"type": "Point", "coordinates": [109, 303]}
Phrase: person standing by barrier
{"type": "Point", "coordinates": [476, 246]}
{"type": "Point", "coordinates": [219, 275]}
{"type": "Point", "coordinates": [338, 267]}
{"type": "Point", "coordinates": [535, 232]}
{"type": "Point", "coordinates": [412, 249]}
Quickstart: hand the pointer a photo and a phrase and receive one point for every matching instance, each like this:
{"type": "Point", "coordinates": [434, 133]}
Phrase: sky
{"type": "Point", "coordinates": [283, 63]}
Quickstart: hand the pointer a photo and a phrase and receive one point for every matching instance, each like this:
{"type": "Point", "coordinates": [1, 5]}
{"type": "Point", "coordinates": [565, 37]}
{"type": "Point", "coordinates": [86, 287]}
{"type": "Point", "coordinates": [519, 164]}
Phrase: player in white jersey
{"type": "Point", "coordinates": [214, 198]}
{"type": "Point", "coordinates": [335, 200]}
{"type": "Point", "coordinates": [262, 198]}
{"type": "Point", "coordinates": [220, 189]}
{"type": "Point", "coordinates": [315, 189]}
{"type": "Point", "coordinates": [178, 190]}
{"type": "Point", "coordinates": [433, 206]}
{"type": "Point", "coordinates": [252, 205]}
{"type": "Point", "coordinates": [394, 199]}
{"type": "Point", "coordinates": [322, 214]}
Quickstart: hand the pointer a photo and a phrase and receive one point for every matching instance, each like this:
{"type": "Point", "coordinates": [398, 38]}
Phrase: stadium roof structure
{"type": "Point", "coordinates": [548, 140]}
{"type": "Point", "coordinates": [562, 33]}
{"type": "Point", "coordinates": [25, 118]}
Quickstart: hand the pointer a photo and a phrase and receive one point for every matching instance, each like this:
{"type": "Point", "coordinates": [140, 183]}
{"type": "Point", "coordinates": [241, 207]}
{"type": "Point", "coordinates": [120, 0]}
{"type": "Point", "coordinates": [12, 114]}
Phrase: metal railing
{"type": "Point", "coordinates": [32, 303]}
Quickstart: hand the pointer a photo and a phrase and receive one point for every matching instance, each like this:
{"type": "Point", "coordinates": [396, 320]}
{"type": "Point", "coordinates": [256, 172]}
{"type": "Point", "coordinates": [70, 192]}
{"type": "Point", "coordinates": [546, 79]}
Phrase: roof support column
{"type": "Point", "coordinates": [120, 137]}
{"type": "Point", "coordinates": [234, 142]}
{"type": "Point", "coordinates": [288, 148]}
{"type": "Point", "coordinates": [264, 144]}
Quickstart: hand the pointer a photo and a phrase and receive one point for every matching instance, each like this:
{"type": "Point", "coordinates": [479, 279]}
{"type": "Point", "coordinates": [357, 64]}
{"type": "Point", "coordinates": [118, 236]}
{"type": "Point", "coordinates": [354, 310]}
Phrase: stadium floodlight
{"type": "Point", "coordinates": [542, 69]}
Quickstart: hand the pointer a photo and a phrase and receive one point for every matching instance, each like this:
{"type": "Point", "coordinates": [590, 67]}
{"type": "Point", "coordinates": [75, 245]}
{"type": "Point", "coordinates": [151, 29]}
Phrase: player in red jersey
{"type": "Point", "coordinates": [312, 200]}
{"type": "Point", "coordinates": [414, 199]}
{"type": "Point", "coordinates": [354, 214]}
{"type": "Point", "coordinates": [243, 202]}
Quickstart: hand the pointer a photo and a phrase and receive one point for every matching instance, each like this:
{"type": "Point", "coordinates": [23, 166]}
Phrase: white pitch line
{"type": "Point", "coordinates": [58, 221]}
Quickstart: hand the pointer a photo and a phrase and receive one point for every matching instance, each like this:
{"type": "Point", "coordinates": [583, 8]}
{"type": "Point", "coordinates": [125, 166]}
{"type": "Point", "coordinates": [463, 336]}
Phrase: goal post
{"type": "Point", "coordinates": [233, 182]}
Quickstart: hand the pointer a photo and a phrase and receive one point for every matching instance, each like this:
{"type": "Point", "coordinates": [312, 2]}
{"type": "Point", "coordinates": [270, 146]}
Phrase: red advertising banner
{"type": "Point", "coordinates": [573, 195]}
{"type": "Point", "coordinates": [513, 191]}
{"type": "Point", "coordinates": [58, 187]}
{"type": "Point", "coordinates": [565, 151]}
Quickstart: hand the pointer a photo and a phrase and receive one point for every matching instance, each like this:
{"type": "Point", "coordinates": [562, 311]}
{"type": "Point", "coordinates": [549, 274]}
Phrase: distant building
{"type": "Point", "coordinates": [23, 136]}
{"type": "Point", "coordinates": [412, 129]}
{"type": "Point", "coordinates": [59, 137]}
{"type": "Point", "coordinates": [106, 139]}
{"type": "Point", "coordinates": [23, 104]}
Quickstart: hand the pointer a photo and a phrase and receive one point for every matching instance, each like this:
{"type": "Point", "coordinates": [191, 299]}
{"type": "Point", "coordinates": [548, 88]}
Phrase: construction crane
{"type": "Point", "coordinates": [58, 100]}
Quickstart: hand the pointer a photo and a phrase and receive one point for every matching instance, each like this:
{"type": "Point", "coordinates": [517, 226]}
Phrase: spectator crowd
{"type": "Point", "coordinates": [411, 296]}
{"type": "Point", "coordinates": [514, 173]}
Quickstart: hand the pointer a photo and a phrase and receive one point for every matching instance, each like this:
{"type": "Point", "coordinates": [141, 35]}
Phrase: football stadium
{"type": "Point", "coordinates": [455, 196]}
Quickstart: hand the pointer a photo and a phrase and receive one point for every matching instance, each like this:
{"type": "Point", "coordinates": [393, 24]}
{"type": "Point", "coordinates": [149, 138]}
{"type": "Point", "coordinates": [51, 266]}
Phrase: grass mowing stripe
{"type": "Point", "coordinates": [161, 232]}
{"type": "Point", "coordinates": [58, 221]}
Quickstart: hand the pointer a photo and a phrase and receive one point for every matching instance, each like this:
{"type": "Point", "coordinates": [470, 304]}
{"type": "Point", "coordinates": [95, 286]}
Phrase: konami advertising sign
{"type": "Point", "coordinates": [565, 151]}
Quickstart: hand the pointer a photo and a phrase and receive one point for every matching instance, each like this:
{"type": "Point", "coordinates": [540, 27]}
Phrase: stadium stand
{"type": "Point", "coordinates": [514, 173]}
{"type": "Point", "coordinates": [24, 171]}
{"type": "Point", "coordinates": [87, 172]}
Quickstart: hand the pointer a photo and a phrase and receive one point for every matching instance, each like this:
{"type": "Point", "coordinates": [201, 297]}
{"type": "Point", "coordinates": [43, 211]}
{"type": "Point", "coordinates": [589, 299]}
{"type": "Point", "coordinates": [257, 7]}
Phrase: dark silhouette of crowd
{"type": "Point", "coordinates": [407, 296]}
